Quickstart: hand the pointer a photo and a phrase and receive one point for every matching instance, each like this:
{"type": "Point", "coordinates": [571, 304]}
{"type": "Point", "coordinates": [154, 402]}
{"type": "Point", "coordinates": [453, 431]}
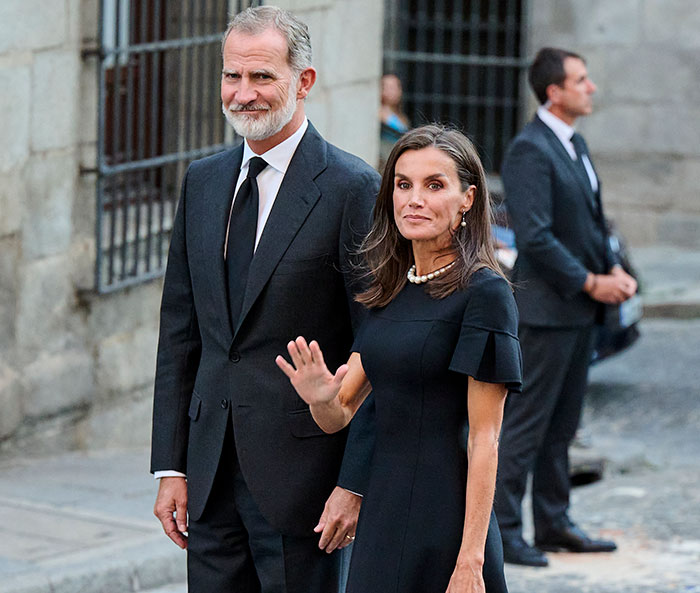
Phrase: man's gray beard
{"type": "Point", "coordinates": [269, 124]}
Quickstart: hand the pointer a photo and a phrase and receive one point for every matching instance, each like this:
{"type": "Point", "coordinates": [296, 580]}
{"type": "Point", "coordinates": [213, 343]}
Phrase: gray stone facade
{"type": "Point", "coordinates": [645, 131]}
{"type": "Point", "coordinates": [76, 368]}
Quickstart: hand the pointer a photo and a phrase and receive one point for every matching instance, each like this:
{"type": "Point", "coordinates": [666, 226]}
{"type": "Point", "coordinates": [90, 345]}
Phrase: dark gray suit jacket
{"type": "Point", "coordinates": [559, 229]}
{"type": "Point", "coordinates": [299, 284]}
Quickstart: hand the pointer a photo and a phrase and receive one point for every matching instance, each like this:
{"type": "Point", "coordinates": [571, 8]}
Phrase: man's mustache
{"type": "Point", "coordinates": [248, 107]}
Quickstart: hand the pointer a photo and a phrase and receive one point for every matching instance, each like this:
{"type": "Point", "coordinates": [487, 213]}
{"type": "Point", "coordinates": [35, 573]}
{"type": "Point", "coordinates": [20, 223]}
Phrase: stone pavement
{"type": "Point", "coordinates": [82, 522]}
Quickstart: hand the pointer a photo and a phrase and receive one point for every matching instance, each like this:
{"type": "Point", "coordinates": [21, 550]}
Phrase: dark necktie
{"type": "Point", "coordinates": [580, 148]}
{"type": "Point", "coordinates": [241, 237]}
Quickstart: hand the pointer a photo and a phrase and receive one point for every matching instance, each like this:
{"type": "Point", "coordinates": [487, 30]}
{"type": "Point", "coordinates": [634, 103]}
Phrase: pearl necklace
{"type": "Point", "coordinates": [422, 279]}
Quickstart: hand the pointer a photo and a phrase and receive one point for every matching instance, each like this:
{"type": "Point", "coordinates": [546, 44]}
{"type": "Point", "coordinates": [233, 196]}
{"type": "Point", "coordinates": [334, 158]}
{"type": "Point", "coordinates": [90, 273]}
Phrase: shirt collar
{"type": "Point", "coordinates": [278, 156]}
{"type": "Point", "coordinates": [561, 129]}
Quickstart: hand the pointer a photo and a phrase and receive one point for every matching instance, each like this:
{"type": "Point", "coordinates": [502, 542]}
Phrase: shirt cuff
{"type": "Point", "coordinates": [352, 492]}
{"type": "Point", "coordinates": [168, 473]}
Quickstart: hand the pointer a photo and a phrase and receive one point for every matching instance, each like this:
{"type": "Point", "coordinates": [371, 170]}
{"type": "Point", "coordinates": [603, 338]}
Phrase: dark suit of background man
{"type": "Point", "coordinates": [258, 468]}
{"type": "Point", "coordinates": [564, 273]}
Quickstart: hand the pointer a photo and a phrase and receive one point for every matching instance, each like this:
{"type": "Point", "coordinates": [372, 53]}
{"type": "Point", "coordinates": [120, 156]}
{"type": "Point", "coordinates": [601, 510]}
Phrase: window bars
{"type": "Point", "coordinates": [461, 61]}
{"type": "Point", "coordinates": [159, 108]}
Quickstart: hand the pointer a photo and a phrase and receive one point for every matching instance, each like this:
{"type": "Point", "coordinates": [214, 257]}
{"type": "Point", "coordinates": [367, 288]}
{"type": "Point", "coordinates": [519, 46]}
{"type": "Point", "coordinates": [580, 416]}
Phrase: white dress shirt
{"type": "Point", "coordinates": [269, 182]}
{"type": "Point", "coordinates": [564, 132]}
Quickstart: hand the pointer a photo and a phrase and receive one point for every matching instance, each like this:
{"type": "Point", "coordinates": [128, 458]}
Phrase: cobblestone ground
{"type": "Point", "coordinates": [643, 413]}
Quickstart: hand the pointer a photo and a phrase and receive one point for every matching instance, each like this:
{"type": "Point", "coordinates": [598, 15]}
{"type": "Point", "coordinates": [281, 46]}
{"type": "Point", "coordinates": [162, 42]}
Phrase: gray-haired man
{"type": "Point", "coordinates": [245, 275]}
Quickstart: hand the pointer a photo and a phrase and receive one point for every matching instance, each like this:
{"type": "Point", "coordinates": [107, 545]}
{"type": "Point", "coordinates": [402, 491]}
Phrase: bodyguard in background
{"type": "Point", "coordinates": [564, 274]}
{"type": "Point", "coordinates": [243, 275]}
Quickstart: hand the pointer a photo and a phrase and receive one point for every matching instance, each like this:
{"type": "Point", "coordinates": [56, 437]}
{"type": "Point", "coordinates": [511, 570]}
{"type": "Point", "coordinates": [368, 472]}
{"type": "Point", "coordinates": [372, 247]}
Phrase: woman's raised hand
{"type": "Point", "coordinates": [309, 374]}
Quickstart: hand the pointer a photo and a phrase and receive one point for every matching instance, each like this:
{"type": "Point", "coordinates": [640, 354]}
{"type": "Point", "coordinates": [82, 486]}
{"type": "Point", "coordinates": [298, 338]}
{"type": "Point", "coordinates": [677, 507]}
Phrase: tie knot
{"type": "Point", "coordinates": [579, 144]}
{"type": "Point", "coordinates": [255, 166]}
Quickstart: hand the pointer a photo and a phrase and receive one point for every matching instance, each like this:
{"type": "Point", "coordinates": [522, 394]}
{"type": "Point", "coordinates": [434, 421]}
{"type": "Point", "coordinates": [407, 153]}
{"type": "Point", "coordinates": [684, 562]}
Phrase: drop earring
{"type": "Point", "coordinates": [464, 219]}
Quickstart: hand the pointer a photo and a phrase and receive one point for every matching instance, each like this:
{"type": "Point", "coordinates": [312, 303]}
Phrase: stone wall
{"type": "Point", "coordinates": [644, 134]}
{"type": "Point", "coordinates": [76, 368]}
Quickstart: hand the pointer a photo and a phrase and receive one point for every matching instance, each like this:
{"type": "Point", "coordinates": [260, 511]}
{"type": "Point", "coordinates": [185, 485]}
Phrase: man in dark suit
{"type": "Point", "coordinates": [245, 275]}
{"type": "Point", "coordinates": [564, 274]}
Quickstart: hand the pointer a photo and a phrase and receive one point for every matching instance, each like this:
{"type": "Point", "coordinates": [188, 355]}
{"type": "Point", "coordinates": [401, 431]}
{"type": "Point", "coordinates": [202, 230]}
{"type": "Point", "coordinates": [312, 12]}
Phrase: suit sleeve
{"type": "Point", "coordinates": [179, 349]}
{"type": "Point", "coordinates": [527, 180]}
{"type": "Point", "coordinates": [354, 471]}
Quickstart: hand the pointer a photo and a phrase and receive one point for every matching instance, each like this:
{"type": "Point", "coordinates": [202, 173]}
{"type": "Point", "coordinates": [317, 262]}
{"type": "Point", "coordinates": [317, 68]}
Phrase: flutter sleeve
{"type": "Point", "coordinates": [359, 336]}
{"type": "Point", "coordinates": [488, 348]}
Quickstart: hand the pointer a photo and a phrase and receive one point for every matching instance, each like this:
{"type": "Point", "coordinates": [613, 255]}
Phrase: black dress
{"type": "Point", "coordinates": [417, 353]}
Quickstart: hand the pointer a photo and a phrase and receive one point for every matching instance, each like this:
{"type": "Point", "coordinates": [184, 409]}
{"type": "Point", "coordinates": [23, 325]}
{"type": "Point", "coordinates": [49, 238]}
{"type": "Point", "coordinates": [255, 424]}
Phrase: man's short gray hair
{"type": "Point", "coordinates": [256, 20]}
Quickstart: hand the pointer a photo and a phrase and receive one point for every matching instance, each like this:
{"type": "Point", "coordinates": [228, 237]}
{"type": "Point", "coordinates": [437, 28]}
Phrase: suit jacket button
{"type": "Point", "coordinates": [224, 403]}
{"type": "Point", "coordinates": [234, 356]}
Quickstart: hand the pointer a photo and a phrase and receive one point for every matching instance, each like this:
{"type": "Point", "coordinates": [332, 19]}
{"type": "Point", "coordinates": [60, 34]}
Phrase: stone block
{"type": "Point", "coordinates": [684, 188]}
{"type": "Point", "coordinates": [51, 186]}
{"type": "Point", "coordinates": [15, 107]}
{"type": "Point", "coordinates": [680, 228]}
{"type": "Point", "coordinates": [43, 306]}
{"type": "Point", "coordinates": [127, 361]}
{"type": "Point", "coordinates": [82, 271]}
{"type": "Point", "coordinates": [125, 311]}
{"type": "Point", "coordinates": [297, 6]}
{"type": "Point", "coordinates": [12, 198]}
{"type": "Point", "coordinates": [617, 129]}
{"type": "Point", "coordinates": [638, 227]}
{"type": "Point", "coordinates": [648, 74]}
{"type": "Point", "coordinates": [672, 22]}
{"type": "Point", "coordinates": [89, 21]}
{"type": "Point", "coordinates": [55, 99]}
{"type": "Point", "coordinates": [352, 129]}
{"type": "Point", "coordinates": [10, 401]}
{"type": "Point", "coordinates": [673, 129]}
{"type": "Point", "coordinates": [57, 382]}
{"type": "Point", "coordinates": [317, 111]}
{"type": "Point", "coordinates": [9, 253]}
{"type": "Point", "coordinates": [32, 24]}
{"type": "Point", "coordinates": [123, 423]}
{"type": "Point", "coordinates": [87, 123]}
{"type": "Point", "coordinates": [352, 46]}
{"type": "Point", "coordinates": [641, 181]}
{"type": "Point", "coordinates": [601, 22]}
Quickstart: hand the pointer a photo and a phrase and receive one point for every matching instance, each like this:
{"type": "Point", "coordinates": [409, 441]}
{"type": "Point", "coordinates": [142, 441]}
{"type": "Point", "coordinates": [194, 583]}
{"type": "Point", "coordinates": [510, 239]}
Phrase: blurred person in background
{"type": "Point", "coordinates": [393, 120]}
{"type": "Point", "coordinates": [564, 275]}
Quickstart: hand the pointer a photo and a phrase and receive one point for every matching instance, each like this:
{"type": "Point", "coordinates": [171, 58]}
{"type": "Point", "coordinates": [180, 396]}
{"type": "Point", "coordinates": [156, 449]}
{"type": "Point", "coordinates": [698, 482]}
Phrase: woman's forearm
{"type": "Point", "coordinates": [481, 480]}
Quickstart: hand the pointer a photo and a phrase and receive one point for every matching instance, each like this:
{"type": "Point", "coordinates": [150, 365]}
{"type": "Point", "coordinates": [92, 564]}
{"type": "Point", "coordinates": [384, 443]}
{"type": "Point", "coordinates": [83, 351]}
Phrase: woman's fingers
{"type": "Point", "coordinates": [295, 355]}
{"type": "Point", "coordinates": [285, 367]}
{"type": "Point", "coordinates": [304, 351]}
{"type": "Point", "coordinates": [340, 373]}
{"type": "Point", "coordinates": [316, 354]}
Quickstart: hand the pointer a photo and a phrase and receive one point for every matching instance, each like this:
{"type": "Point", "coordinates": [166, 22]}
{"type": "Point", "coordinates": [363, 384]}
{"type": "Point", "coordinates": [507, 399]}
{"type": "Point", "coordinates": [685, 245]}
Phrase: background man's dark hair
{"type": "Point", "coordinates": [548, 68]}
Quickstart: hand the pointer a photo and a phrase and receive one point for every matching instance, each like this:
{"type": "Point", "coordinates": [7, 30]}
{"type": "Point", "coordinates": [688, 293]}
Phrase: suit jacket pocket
{"type": "Point", "coordinates": [195, 405]}
{"type": "Point", "coordinates": [302, 424]}
{"type": "Point", "coordinates": [297, 266]}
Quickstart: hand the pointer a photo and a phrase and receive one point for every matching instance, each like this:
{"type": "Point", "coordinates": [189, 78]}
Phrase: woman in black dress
{"type": "Point", "coordinates": [439, 350]}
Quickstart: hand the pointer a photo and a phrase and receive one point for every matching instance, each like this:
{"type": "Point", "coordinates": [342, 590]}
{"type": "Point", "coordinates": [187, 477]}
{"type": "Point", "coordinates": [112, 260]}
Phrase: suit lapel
{"type": "Point", "coordinates": [296, 197]}
{"type": "Point", "coordinates": [578, 170]}
{"type": "Point", "coordinates": [222, 185]}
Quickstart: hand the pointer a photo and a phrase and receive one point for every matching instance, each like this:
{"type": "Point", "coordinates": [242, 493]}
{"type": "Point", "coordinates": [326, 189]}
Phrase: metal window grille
{"type": "Point", "coordinates": [461, 61]}
{"type": "Point", "coordinates": [159, 108]}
